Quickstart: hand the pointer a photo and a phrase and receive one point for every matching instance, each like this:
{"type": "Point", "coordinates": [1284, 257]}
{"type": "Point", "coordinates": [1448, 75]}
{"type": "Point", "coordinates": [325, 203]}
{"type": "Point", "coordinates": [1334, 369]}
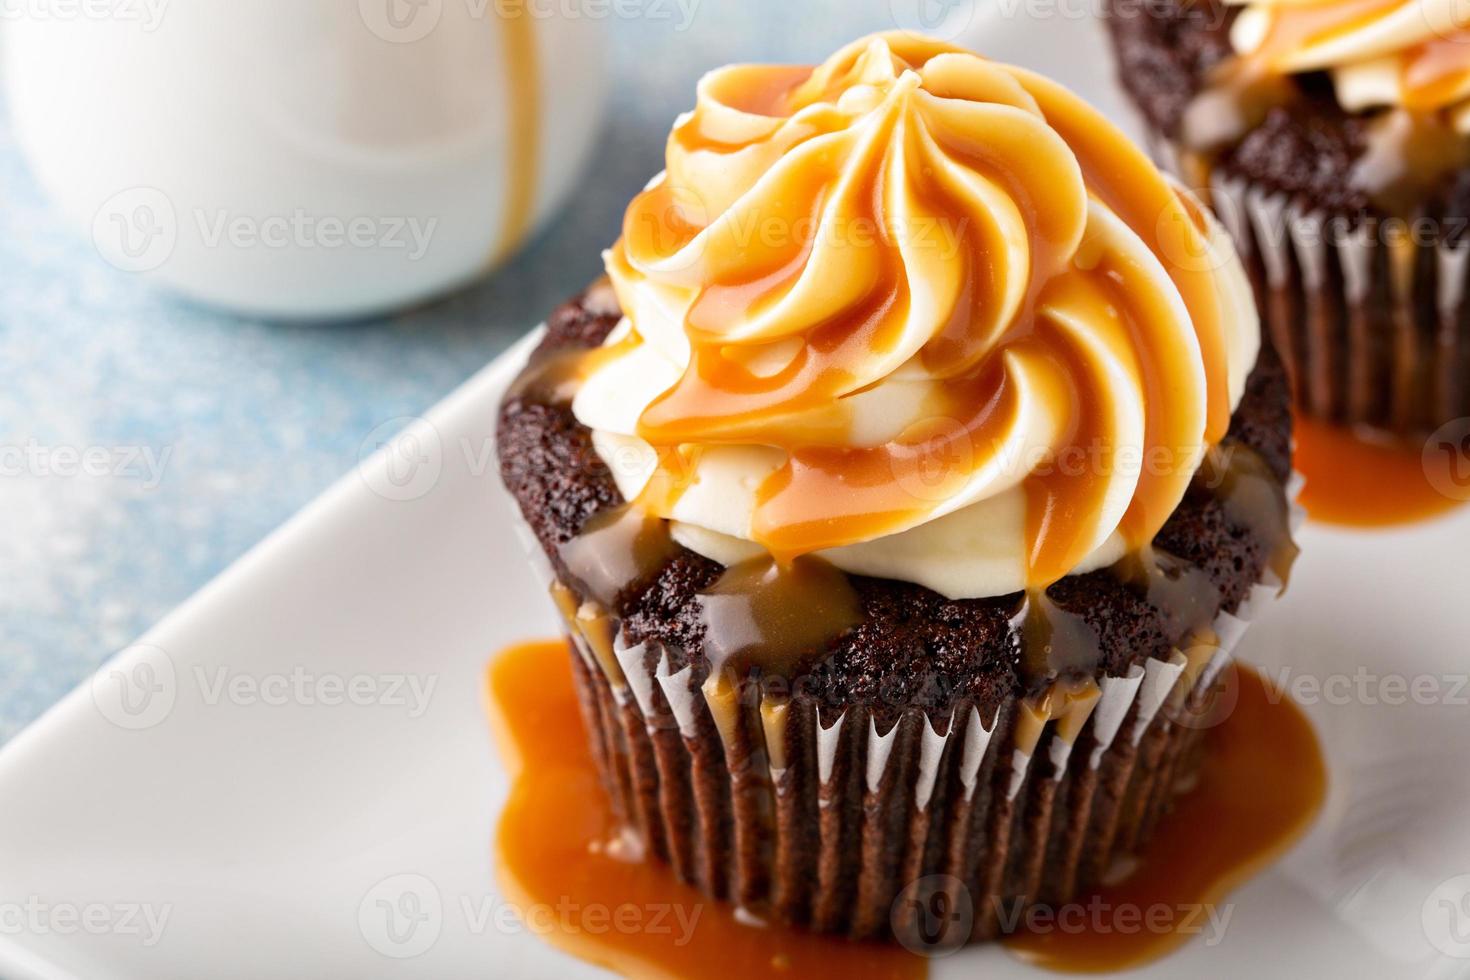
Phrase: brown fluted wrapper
{"type": "Point", "coordinates": [1371, 319]}
{"type": "Point", "coordinates": [799, 814]}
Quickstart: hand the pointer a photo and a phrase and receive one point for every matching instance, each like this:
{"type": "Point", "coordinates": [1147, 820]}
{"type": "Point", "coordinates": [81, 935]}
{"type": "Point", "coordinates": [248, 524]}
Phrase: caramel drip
{"type": "Point", "coordinates": [1253, 498]}
{"type": "Point", "coordinates": [616, 550]}
{"type": "Point", "coordinates": [1177, 588]}
{"type": "Point", "coordinates": [1054, 642]}
{"type": "Point", "coordinates": [1067, 704]}
{"type": "Point", "coordinates": [829, 496]}
{"type": "Point", "coordinates": [1121, 175]}
{"type": "Point", "coordinates": [775, 616]}
{"type": "Point", "coordinates": [553, 378]}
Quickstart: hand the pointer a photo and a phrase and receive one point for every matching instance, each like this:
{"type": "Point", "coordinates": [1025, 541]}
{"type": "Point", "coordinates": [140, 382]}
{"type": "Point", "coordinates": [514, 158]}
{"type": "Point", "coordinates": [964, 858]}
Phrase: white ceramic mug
{"type": "Point", "coordinates": [304, 158]}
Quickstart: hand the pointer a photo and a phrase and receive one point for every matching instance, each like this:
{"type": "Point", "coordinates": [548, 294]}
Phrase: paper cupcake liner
{"type": "Point", "coordinates": [793, 812]}
{"type": "Point", "coordinates": [1373, 325]}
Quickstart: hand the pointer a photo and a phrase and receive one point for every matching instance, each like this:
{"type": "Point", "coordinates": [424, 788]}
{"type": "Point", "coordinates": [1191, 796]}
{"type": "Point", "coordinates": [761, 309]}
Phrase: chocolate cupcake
{"type": "Point", "coordinates": [911, 478]}
{"type": "Point", "coordinates": [1334, 140]}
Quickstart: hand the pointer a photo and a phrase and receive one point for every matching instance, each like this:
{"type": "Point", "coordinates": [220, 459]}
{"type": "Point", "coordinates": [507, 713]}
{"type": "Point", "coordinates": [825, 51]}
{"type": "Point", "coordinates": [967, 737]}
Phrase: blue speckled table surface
{"type": "Point", "coordinates": [220, 427]}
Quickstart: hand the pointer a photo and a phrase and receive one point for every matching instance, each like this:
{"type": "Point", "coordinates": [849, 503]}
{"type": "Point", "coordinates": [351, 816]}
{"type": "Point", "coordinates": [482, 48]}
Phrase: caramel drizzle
{"type": "Point", "coordinates": [930, 105]}
{"type": "Point", "coordinates": [769, 615]}
{"type": "Point", "coordinates": [616, 550]}
{"type": "Point", "coordinates": [1057, 643]}
{"type": "Point", "coordinates": [1253, 498]}
{"type": "Point", "coordinates": [554, 377]}
{"type": "Point", "coordinates": [764, 617]}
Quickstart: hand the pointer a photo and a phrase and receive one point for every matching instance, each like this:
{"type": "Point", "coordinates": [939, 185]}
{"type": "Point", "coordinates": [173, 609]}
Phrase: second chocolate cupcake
{"type": "Point", "coordinates": [1332, 140]}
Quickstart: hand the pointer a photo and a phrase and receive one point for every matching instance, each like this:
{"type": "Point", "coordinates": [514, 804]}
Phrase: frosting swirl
{"type": "Point", "coordinates": [928, 316]}
{"type": "Point", "coordinates": [1411, 54]}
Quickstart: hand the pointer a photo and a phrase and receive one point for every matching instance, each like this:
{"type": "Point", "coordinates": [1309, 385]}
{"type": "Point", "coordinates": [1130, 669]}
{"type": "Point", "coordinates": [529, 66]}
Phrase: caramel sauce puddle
{"type": "Point", "coordinates": [559, 842]}
{"type": "Point", "coordinates": [1261, 784]}
{"type": "Point", "coordinates": [1356, 481]}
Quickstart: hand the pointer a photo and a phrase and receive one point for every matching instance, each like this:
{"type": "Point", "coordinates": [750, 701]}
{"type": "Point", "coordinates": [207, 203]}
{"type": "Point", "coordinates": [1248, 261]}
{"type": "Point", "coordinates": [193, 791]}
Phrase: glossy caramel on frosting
{"type": "Point", "coordinates": [908, 281]}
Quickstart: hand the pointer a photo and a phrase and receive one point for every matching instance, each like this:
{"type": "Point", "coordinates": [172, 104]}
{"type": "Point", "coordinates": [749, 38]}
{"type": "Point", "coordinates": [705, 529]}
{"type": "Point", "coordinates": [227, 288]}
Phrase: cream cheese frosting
{"type": "Point", "coordinates": [924, 315]}
{"type": "Point", "coordinates": [1409, 54]}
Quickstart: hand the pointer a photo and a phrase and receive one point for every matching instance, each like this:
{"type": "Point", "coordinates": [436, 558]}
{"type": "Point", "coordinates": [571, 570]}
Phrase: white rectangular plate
{"type": "Point", "coordinates": [292, 774]}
